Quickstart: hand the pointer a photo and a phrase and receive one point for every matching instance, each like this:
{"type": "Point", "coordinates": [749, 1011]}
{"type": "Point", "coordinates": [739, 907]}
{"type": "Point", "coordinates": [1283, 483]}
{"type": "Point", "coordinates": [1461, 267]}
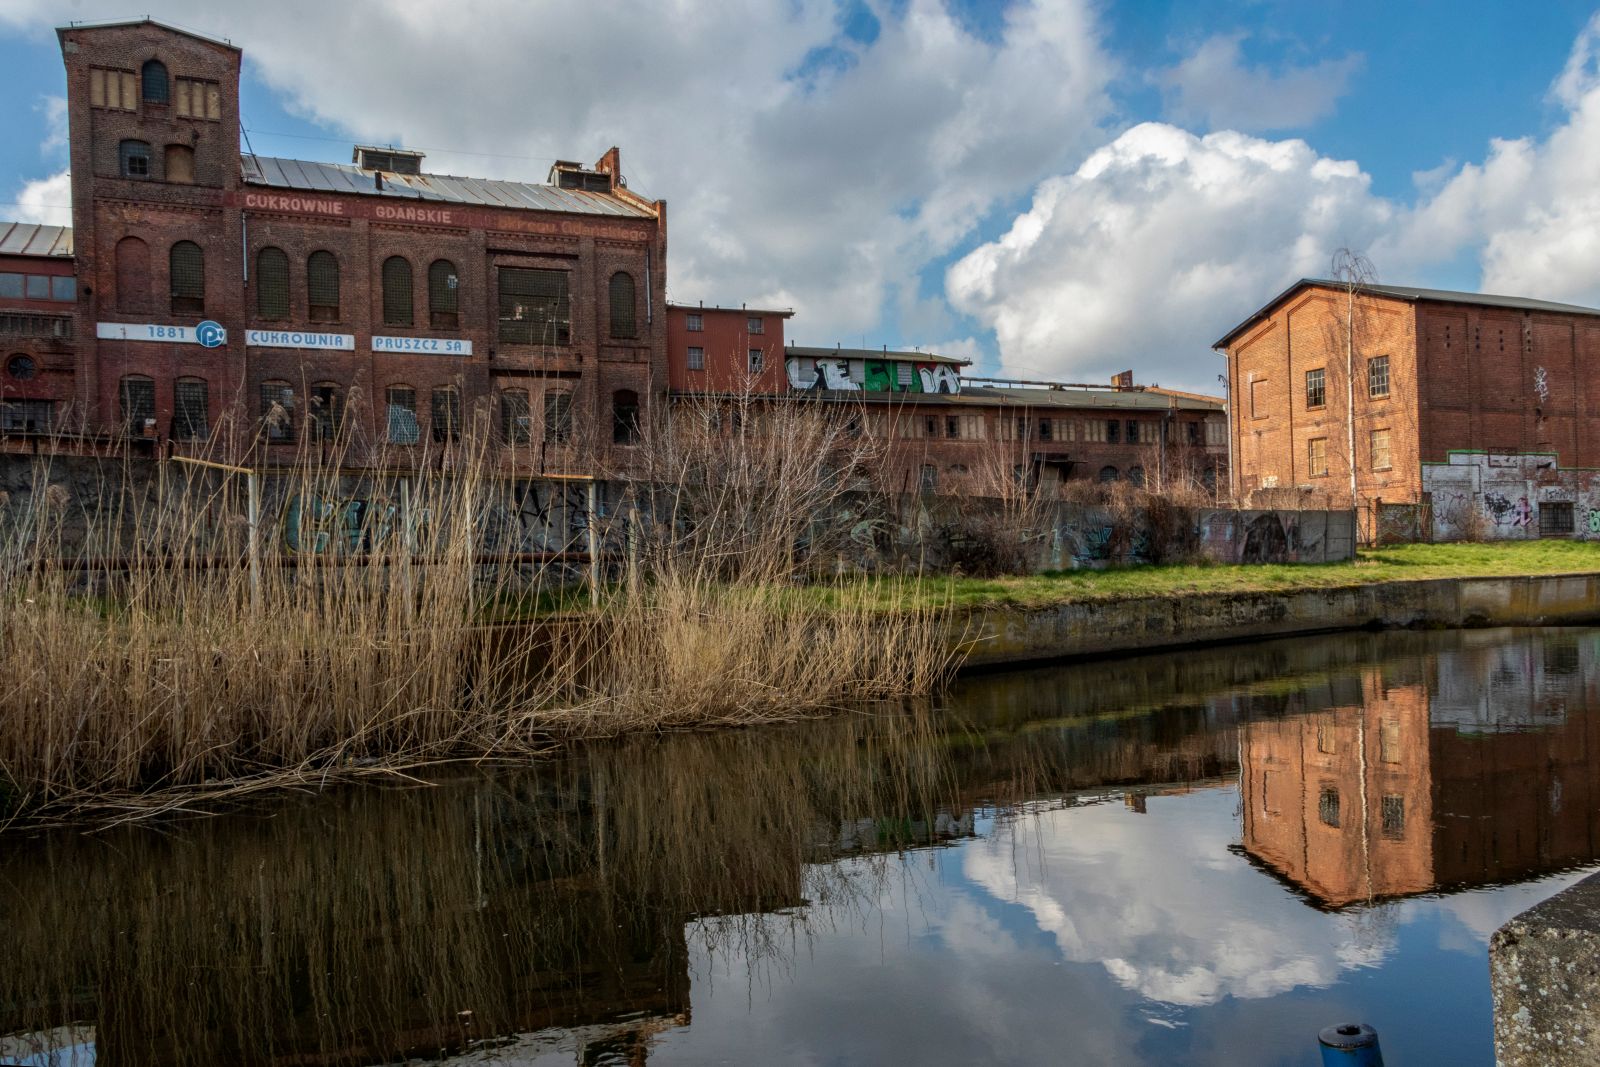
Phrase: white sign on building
{"type": "Point", "coordinates": [207, 333]}
{"type": "Point", "coordinates": [432, 346]}
{"type": "Point", "coordinates": [338, 342]}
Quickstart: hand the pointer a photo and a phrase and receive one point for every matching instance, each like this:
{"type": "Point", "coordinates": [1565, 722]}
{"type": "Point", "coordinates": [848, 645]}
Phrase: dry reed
{"type": "Point", "coordinates": [145, 658]}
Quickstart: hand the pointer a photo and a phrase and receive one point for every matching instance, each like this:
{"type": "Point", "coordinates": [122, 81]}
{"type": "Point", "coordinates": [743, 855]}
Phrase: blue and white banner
{"type": "Point", "coordinates": [207, 333]}
{"type": "Point", "coordinates": [338, 342]}
{"type": "Point", "coordinates": [428, 346]}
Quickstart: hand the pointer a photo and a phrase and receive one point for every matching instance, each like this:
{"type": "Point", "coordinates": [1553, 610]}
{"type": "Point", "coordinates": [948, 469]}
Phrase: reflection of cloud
{"type": "Point", "coordinates": [1473, 916]}
{"type": "Point", "coordinates": [1102, 885]}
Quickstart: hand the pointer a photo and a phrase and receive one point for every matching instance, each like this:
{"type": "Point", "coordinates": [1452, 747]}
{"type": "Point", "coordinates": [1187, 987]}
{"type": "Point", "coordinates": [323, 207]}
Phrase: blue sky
{"type": "Point", "coordinates": [971, 177]}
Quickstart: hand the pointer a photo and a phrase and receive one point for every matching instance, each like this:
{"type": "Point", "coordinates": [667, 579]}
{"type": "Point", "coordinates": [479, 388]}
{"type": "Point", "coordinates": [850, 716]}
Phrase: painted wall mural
{"type": "Point", "coordinates": [806, 373]}
{"type": "Point", "coordinates": [938, 378]}
{"type": "Point", "coordinates": [873, 375]}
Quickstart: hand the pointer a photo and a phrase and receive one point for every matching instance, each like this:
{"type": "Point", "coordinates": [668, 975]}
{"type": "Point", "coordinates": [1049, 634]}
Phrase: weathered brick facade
{"type": "Point", "coordinates": [157, 171]}
{"type": "Point", "coordinates": [1436, 374]}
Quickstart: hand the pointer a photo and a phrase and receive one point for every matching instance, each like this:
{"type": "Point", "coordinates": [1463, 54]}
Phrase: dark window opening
{"type": "Point", "coordinates": [397, 291]}
{"type": "Point", "coordinates": [625, 417]}
{"type": "Point", "coordinates": [1109, 474]}
{"type": "Point", "coordinates": [444, 295]}
{"type": "Point", "coordinates": [1113, 431]}
{"type": "Point", "coordinates": [516, 423]}
{"type": "Point", "coordinates": [623, 322]}
{"type": "Point", "coordinates": [153, 80]}
{"type": "Point", "coordinates": [189, 415]}
{"type": "Point", "coordinates": [21, 368]}
{"type": "Point", "coordinates": [272, 284]}
{"type": "Point", "coordinates": [27, 416]}
{"type": "Point", "coordinates": [138, 404]}
{"type": "Point", "coordinates": [558, 418]}
{"type": "Point", "coordinates": [1394, 817]}
{"type": "Point", "coordinates": [930, 478]}
{"type": "Point", "coordinates": [1555, 518]}
{"type": "Point", "coordinates": [325, 414]}
{"type": "Point", "coordinates": [535, 307]}
{"type": "Point", "coordinates": [1046, 430]}
{"type": "Point", "coordinates": [134, 159]}
{"type": "Point", "coordinates": [1328, 806]}
{"type": "Point", "coordinates": [1136, 476]}
{"type": "Point", "coordinates": [277, 411]}
{"type": "Point", "coordinates": [187, 278]}
{"type": "Point", "coordinates": [400, 415]}
{"type": "Point", "coordinates": [1194, 432]}
{"type": "Point", "coordinates": [952, 426]}
{"type": "Point", "coordinates": [322, 287]}
{"type": "Point", "coordinates": [446, 421]}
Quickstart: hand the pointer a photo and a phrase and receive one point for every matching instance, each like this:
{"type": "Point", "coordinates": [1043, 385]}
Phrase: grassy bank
{"type": "Point", "coordinates": [1388, 564]}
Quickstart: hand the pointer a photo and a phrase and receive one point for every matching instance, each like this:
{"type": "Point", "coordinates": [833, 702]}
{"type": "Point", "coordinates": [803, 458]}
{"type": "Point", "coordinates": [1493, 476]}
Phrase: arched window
{"type": "Point", "coordinates": [322, 287]}
{"type": "Point", "coordinates": [153, 78]}
{"type": "Point", "coordinates": [277, 411]}
{"type": "Point", "coordinates": [187, 278]}
{"type": "Point", "coordinates": [133, 275]}
{"type": "Point", "coordinates": [444, 295]}
{"type": "Point", "coordinates": [137, 396]}
{"type": "Point", "coordinates": [1136, 476]}
{"type": "Point", "coordinates": [325, 411]}
{"type": "Point", "coordinates": [446, 419]}
{"type": "Point", "coordinates": [133, 158]}
{"type": "Point", "coordinates": [1109, 474]}
{"type": "Point", "coordinates": [623, 322]}
{"type": "Point", "coordinates": [397, 291]}
{"type": "Point", "coordinates": [516, 424]}
{"type": "Point", "coordinates": [272, 283]}
{"type": "Point", "coordinates": [190, 418]}
{"type": "Point", "coordinates": [179, 162]}
{"type": "Point", "coordinates": [625, 417]}
{"type": "Point", "coordinates": [401, 406]}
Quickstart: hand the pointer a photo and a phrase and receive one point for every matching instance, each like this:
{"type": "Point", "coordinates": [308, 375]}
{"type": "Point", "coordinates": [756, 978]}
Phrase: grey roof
{"type": "Point", "coordinates": [1412, 293]}
{"type": "Point", "coordinates": [307, 176]}
{"type": "Point", "coordinates": [35, 239]}
{"type": "Point", "coordinates": [1121, 399]}
{"type": "Point", "coordinates": [110, 24]}
{"type": "Point", "coordinates": [806, 352]}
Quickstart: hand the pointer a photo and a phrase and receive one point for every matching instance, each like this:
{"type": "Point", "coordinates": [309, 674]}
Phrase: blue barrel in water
{"type": "Point", "coordinates": [1350, 1045]}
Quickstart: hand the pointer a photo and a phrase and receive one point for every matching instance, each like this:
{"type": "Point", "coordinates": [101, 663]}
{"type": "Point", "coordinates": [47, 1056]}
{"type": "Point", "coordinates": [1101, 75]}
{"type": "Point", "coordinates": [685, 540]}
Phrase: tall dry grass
{"type": "Point", "coordinates": [144, 659]}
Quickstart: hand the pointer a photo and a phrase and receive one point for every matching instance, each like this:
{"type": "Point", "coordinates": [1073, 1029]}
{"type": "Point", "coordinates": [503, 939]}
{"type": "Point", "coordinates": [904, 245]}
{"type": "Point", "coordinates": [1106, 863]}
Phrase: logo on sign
{"type": "Point", "coordinates": [211, 334]}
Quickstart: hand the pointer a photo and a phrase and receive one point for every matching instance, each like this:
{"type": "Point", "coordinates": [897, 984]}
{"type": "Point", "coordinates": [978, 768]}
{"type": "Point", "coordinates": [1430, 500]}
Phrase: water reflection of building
{"type": "Point", "coordinates": [1468, 766]}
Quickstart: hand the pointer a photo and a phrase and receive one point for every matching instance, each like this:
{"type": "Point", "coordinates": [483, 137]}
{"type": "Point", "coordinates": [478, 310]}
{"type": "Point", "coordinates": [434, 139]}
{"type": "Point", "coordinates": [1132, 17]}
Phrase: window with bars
{"type": "Point", "coordinates": [444, 295]}
{"type": "Point", "coordinates": [138, 403]}
{"type": "Point", "coordinates": [1394, 816]}
{"type": "Point", "coordinates": [446, 420]}
{"type": "Point", "coordinates": [187, 278]}
{"type": "Point", "coordinates": [277, 411]}
{"type": "Point", "coordinates": [1328, 806]}
{"type": "Point", "coordinates": [697, 358]}
{"type": "Point", "coordinates": [1109, 474]}
{"type": "Point", "coordinates": [325, 411]}
{"type": "Point", "coordinates": [199, 99]}
{"type": "Point", "coordinates": [27, 416]}
{"type": "Point", "coordinates": [516, 421]}
{"type": "Point", "coordinates": [535, 307]}
{"type": "Point", "coordinates": [322, 287]}
{"type": "Point", "coordinates": [1382, 460]}
{"type": "Point", "coordinates": [1317, 457]}
{"type": "Point", "coordinates": [397, 291]}
{"type": "Point", "coordinates": [557, 418]}
{"type": "Point", "coordinates": [1136, 476]}
{"type": "Point", "coordinates": [272, 283]}
{"type": "Point", "coordinates": [154, 85]}
{"type": "Point", "coordinates": [1555, 518]}
{"type": "Point", "coordinates": [623, 322]}
{"type": "Point", "coordinates": [1378, 377]}
{"type": "Point", "coordinates": [400, 415]}
{"type": "Point", "coordinates": [116, 89]}
{"type": "Point", "coordinates": [190, 420]}
{"type": "Point", "coordinates": [625, 417]}
{"type": "Point", "coordinates": [1316, 387]}
{"type": "Point", "coordinates": [133, 158]}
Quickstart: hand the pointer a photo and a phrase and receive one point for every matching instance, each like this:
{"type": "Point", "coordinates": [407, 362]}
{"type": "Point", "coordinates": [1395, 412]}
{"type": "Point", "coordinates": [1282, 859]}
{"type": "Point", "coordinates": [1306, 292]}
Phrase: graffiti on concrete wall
{"type": "Point", "coordinates": [938, 378]}
{"type": "Point", "coordinates": [819, 374]}
{"type": "Point", "coordinates": [1500, 495]}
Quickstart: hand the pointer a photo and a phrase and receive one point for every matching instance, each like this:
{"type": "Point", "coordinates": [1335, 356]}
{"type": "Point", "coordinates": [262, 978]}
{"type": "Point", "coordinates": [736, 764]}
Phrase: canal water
{"type": "Point", "coordinates": [1199, 858]}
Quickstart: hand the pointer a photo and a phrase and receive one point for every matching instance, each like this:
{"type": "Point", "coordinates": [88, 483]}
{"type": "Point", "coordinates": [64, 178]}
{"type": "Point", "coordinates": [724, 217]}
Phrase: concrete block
{"type": "Point", "coordinates": [1544, 966]}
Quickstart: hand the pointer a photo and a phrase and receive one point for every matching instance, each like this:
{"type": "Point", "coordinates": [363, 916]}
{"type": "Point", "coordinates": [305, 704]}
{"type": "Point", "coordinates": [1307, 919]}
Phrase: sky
{"type": "Point", "coordinates": [1059, 190]}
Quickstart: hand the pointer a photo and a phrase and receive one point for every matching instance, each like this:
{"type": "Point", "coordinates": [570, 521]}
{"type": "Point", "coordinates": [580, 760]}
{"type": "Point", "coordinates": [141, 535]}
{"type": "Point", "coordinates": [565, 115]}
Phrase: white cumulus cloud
{"type": "Point", "coordinates": [48, 200]}
{"type": "Point", "coordinates": [1215, 86]}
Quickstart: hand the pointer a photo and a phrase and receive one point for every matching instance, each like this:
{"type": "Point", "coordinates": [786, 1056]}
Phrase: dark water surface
{"type": "Point", "coordinates": [1199, 858]}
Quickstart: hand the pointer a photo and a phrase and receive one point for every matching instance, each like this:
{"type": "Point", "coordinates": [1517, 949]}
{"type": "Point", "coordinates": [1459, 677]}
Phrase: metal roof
{"type": "Point", "coordinates": [806, 352]}
{"type": "Point", "coordinates": [35, 239]}
{"type": "Point", "coordinates": [1120, 399]}
{"type": "Point", "coordinates": [1412, 294]}
{"type": "Point", "coordinates": [307, 176]}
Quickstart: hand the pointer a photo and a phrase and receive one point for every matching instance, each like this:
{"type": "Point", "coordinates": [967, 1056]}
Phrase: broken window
{"type": "Point", "coordinates": [189, 416]}
{"type": "Point", "coordinates": [444, 295]}
{"type": "Point", "coordinates": [277, 411]}
{"type": "Point", "coordinates": [535, 308]}
{"type": "Point", "coordinates": [400, 411]}
{"type": "Point", "coordinates": [325, 413]}
{"type": "Point", "coordinates": [625, 417]}
{"type": "Point", "coordinates": [447, 414]}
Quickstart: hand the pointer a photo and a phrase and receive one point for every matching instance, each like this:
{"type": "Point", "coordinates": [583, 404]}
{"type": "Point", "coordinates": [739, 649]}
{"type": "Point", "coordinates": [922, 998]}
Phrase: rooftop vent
{"type": "Point", "coordinates": [569, 175]}
{"type": "Point", "coordinates": [388, 160]}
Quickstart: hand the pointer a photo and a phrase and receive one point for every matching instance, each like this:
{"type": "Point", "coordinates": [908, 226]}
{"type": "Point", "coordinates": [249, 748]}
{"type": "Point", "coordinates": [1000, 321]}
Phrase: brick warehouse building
{"type": "Point", "coordinates": [234, 304]}
{"type": "Point", "coordinates": [948, 434]}
{"type": "Point", "coordinates": [1481, 407]}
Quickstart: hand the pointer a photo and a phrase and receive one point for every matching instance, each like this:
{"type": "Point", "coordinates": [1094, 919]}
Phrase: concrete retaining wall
{"type": "Point", "coordinates": [1003, 637]}
{"type": "Point", "coordinates": [1544, 966]}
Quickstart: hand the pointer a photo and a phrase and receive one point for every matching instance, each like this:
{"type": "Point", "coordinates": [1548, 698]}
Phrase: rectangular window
{"type": "Point", "coordinates": [11, 285]}
{"type": "Point", "coordinates": [401, 415]}
{"type": "Point", "coordinates": [557, 418]}
{"type": "Point", "coordinates": [139, 407]}
{"type": "Point", "coordinates": [1113, 431]}
{"type": "Point", "coordinates": [326, 412]}
{"type": "Point", "coordinates": [134, 157]}
{"type": "Point", "coordinates": [755, 361]}
{"type": "Point", "coordinates": [26, 416]}
{"type": "Point", "coordinates": [189, 421]}
{"type": "Point", "coordinates": [755, 324]}
{"type": "Point", "coordinates": [199, 99]}
{"type": "Point", "coordinates": [972, 427]}
{"type": "Point", "coordinates": [1216, 432]}
{"type": "Point", "coordinates": [1149, 433]}
{"type": "Point", "coordinates": [1378, 377]}
{"type": "Point", "coordinates": [694, 322]}
{"type": "Point", "coordinates": [535, 306]}
{"type": "Point", "coordinates": [1133, 432]}
{"type": "Point", "coordinates": [1389, 741]}
{"type": "Point", "coordinates": [277, 411]}
{"type": "Point", "coordinates": [930, 426]}
{"type": "Point", "coordinates": [1316, 388]}
{"type": "Point", "coordinates": [1328, 806]}
{"type": "Point", "coordinates": [515, 420]}
{"type": "Point", "coordinates": [38, 287]}
{"type": "Point", "coordinates": [930, 477]}
{"type": "Point", "coordinates": [1095, 430]}
{"type": "Point", "coordinates": [1046, 431]}
{"type": "Point", "coordinates": [1258, 398]}
{"type": "Point", "coordinates": [697, 359]}
{"type": "Point", "coordinates": [1317, 457]}
{"type": "Point", "coordinates": [952, 426]}
{"type": "Point", "coordinates": [64, 289]}
{"type": "Point", "coordinates": [446, 420]}
{"type": "Point", "coordinates": [1555, 518]}
{"type": "Point", "coordinates": [113, 88]}
{"type": "Point", "coordinates": [1023, 429]}
{"type": "Point", "coordinates": [1394, 816]}
{"type": "Point", "coordinates": [1381, 459]}
{"type": "Point", "coordinates": [1327, 740]}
